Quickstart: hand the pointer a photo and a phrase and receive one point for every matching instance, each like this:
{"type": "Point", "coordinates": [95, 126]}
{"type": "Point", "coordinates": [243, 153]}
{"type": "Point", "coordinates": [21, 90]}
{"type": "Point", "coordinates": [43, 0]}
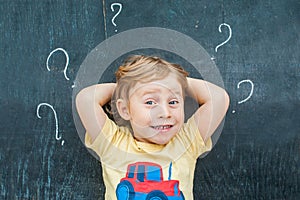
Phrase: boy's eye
{"type": "Point", "coordinates": [174, 102]}
{"type": "Point", "coordinates": [149, 102]}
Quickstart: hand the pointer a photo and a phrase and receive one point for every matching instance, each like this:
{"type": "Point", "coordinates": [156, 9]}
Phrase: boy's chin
{"type": "Point", "coordinates": [158, 141]}
{"type": "Point", "coordinates": [162, 141]}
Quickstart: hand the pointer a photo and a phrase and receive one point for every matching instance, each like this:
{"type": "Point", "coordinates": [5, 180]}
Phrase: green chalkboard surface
{"type": "Point", "coordinates": [254, 44]}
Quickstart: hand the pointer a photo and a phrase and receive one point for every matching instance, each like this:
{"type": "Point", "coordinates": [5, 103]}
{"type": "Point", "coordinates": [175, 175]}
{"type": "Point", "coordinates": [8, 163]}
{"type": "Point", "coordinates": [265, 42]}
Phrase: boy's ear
{"type": "Point", "coordinates": [123, 109]}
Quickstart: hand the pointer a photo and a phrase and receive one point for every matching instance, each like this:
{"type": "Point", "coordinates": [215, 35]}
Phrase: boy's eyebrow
{"type": "Point", "coordinates": [177, 94]}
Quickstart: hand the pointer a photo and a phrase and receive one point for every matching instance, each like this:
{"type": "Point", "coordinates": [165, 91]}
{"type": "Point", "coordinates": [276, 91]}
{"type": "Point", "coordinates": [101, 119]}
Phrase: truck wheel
{"type": "Point", "coordinates": [181, 195]}
{"type": "Point", "coordinates": [125, 191]}
{"type": "Point", "coordinates": [156, 195]}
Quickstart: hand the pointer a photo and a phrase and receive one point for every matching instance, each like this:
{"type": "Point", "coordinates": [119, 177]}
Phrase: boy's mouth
{"type": "Point", "coordinates": [162, 127]}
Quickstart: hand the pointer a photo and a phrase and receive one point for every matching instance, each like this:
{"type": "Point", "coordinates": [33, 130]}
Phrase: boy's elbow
{"type": "Point", "coordinates": [78, 99]}
{"type": "Point", "coordinates": [81, 98]}
{"type": "Point", "coordinates": [226, 100]}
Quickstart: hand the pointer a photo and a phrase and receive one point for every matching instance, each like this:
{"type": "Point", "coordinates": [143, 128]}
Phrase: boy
{"type": "Point", "coordinates": [148, 139]}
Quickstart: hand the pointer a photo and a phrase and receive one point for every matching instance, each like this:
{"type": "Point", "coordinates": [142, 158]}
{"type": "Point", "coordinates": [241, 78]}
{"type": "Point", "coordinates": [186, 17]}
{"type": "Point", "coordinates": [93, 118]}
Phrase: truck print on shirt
{"type": "Point", "coordinates": [144, 181]}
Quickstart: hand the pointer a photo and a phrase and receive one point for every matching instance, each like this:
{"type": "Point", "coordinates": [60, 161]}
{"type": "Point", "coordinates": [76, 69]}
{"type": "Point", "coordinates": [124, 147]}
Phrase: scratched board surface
{"type": "Point", "coordinates": [43, 44]}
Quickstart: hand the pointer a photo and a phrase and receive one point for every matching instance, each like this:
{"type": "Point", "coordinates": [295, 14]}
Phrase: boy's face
{"type": "Point", "coordinates": [156, 110]}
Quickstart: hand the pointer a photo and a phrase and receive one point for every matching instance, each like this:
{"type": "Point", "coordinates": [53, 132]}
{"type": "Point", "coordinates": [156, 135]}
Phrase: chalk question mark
{"type": "Point", "coordinates": [250, 94]}
{"type": "Point", "coordinates": [230, 34]}
{"type": "Point", "coordinates": [113, 10]}
{"type": "Point", "coordinates": [57, 137]}
{"type": "Point", "coordinates": [67, 61]}
{"type": "Point", "coordinates": [66, 65]}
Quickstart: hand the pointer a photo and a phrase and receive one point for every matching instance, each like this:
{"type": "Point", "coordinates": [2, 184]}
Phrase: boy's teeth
{"type": "Point", "coordinates": [162, 127]}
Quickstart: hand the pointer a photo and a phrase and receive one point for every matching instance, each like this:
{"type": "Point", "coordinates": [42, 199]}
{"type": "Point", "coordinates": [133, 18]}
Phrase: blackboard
{"type": "Point", "coordinates": [257, 154]}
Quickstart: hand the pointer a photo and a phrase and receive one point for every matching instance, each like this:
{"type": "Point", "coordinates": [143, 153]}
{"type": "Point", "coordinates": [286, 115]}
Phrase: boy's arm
{"type": "Point", "coordinates": [89, 102]}
{"type": "Point", "coordinates": [214, 102]}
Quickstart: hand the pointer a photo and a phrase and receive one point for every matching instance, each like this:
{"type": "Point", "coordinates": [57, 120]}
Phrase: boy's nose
{"type": "Point", "coordinates": [164, 111]}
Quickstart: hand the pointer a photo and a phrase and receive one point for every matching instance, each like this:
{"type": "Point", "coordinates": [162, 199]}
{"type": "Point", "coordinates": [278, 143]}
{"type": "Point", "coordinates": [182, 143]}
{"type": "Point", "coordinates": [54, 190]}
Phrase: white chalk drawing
{"type": "Point", "coordinates": [250, 94]}
{"type": "Point", "coordinates": [57, 137]}
{"type": "Point", "coordinates": [230, 34]}
{"type": "Point", "coordinates": [251, 91]}
{"type": "Point", "coordinates": [67, 61]}
{"type": "Point", "coordinates": [113, 10]}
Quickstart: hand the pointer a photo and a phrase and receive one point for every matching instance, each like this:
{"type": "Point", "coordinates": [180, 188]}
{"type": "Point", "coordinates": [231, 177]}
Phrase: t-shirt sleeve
{"type": "Point", "coordinates": [103, 141]}
{"type": "Point", "coordinates": [192, 139]}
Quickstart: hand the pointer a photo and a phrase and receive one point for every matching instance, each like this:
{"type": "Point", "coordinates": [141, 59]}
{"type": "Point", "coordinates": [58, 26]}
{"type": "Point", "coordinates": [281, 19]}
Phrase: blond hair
{"type": "Point", "coordinates": [142, 69]}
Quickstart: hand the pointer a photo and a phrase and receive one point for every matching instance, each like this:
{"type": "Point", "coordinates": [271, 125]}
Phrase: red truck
{"type": "Point", "coordinates": [144, 181]}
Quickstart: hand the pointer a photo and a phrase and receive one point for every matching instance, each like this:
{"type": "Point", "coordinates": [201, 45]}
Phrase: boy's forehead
{"type": "Point", "coordinates": [157, 87]}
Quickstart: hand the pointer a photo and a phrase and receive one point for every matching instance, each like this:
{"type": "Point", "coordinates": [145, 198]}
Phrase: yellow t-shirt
{"type": "Point", "coordinates": [139, 163]}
